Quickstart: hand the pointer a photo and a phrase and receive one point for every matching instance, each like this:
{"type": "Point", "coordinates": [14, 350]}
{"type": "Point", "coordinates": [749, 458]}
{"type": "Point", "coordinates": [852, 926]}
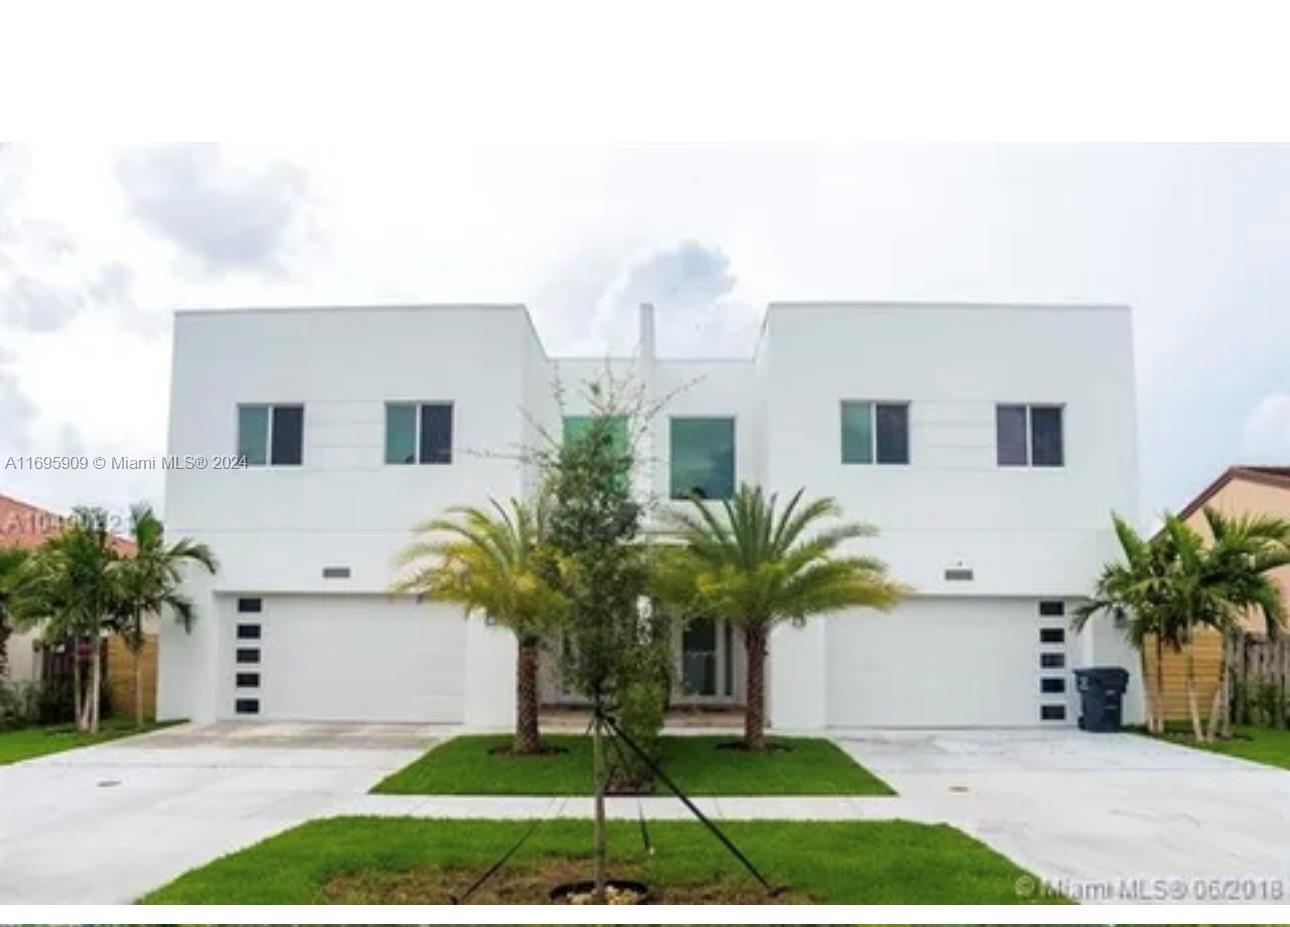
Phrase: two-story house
{"type": "Point", "coordinates": [987, 443]}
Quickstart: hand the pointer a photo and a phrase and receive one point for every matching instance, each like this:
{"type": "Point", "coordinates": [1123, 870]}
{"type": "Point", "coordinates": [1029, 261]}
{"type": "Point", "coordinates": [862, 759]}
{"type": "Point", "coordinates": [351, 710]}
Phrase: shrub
{"type": "Point", "coordinates": [17, 704]}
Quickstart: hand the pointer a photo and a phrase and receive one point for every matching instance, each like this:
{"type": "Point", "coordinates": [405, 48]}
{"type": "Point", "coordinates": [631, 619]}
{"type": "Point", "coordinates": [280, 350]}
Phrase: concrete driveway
{"type": "Point", "coordinates": [1104, 817]}
{"type": "Point", "coordinates": [106, 824]}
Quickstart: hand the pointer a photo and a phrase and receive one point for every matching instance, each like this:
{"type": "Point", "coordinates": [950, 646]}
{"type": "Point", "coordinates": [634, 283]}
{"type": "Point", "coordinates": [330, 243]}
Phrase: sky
{"type": "Point", "coordinates": [98, 246]}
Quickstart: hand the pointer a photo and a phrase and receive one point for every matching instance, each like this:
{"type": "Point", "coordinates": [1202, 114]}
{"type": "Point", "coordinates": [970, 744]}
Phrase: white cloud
{"type": "Point", "coordinates": [1265, 435]}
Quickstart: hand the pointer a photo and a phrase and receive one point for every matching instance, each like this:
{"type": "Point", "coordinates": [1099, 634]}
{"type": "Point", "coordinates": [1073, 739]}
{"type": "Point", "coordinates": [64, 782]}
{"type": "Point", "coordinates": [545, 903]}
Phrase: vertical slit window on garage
{"type": "Point", "coordinates": [271, 434]}
{"type": "Point", "coordinates": [418, 432]}
{"type": "Point", "coordinates": [248, 680]}
{"type": "Point", "coordinates": [1052, 635]}
{"type": "Point", "coordinates": [1052, 608]}
{"type": "Point", "coordinates": [248, 655]}
{"type": "Point", "coordinates": [1029, 436]}
{"type": "Point", "coordinates": [1052, 660]}
{"type": "Point", "coordinates": [247, 706]}
{"type": "Point", "coordinates": [1052, 712]}
{"type": "Point", "coordinates": [875, 432]}
{"type": "Point", "coordinates": [249, 606]}
{"type": "Point", "coordinates": [1052, 685]}
{"type": "Point", "coordinates": [248, 632]}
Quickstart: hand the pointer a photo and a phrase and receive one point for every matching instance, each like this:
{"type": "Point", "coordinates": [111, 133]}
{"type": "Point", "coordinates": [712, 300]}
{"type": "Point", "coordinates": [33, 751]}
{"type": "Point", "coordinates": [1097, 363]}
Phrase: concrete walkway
{"type": "Point", "coordinates": [106, 824]}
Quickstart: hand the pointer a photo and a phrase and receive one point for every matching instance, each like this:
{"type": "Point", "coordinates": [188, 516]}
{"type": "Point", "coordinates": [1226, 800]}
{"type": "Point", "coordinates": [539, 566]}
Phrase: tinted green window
{"type": "Point", "coordinates": [400, 433]}
{"type": "Point", "coordinates": [703, 458]}
{"type": "Point", "coordinates": [575, 425]}
{"type": "Point", "coordinates": [253, 433]}
{"type": "Point", "coordinates": [857, 432]}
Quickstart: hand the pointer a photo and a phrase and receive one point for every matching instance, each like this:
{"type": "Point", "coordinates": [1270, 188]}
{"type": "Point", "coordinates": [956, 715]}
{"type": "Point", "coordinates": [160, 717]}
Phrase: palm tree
{"type": "Point", "coordinates": [755, 566]}
{"type": "Point", "coordinates": [11, 563]}
{"type": "Point", "coordinates": [1135, 593]}
{"type": "Point", "coordinates": [487, 561]}
{"type": "Point", "coordinates": [150, 581]}
{"type": "Point", "coordinates": [71, 589]}
{"type": "Point", "coordinates": [1243, 551]}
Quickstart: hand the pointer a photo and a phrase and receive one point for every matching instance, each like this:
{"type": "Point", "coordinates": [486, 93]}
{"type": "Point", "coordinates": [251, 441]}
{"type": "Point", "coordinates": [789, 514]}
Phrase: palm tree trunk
{"type": "Point", "coordinates": [1218, 704]}
{"type": "Point", "coordinates": [755, 712]}
{"type": "Point", "coordinates": [138, 689]}
{"type": "Point", "coordinates": [1153, 706]}
{"type": "Point", "coordinates": [1160, 685]}
{"type": "Point", "coordinates": [526, 698]}
{"type": "Point", "coordinates": [1193, 697]}
{"type": "Point", "coordinates": [96, 684]}
{"type": "Point", "coordinates": [76, 683]}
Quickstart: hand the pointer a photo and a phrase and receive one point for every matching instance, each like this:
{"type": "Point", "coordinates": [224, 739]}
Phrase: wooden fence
{"type": "Point", "coordinates": [1261, 681]}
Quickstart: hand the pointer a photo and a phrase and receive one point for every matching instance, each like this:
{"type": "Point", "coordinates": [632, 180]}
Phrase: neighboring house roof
{"type": "Point", "coordinates": [1268, 476]}
{"type": "Point", "coordinates": [25, 525]}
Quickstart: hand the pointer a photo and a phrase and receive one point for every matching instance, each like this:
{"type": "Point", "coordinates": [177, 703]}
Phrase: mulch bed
{"type": "Point", "coordinates": [527, 884]}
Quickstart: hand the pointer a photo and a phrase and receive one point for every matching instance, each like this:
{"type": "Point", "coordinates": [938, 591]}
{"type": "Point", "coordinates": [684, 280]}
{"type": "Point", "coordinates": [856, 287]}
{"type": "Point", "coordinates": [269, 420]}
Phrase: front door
{"type": "Point", "coordinates": [706, 662]}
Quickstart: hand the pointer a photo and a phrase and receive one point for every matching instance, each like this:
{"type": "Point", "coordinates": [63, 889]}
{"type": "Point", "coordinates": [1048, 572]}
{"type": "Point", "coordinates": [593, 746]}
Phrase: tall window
{"type": "Point", "coordinates": [271, 434]}
{"type": "Point", "coordinates": [875, 432]}
{"type": "Point", "coordinates": [703, 458]}
{"type": "Point", "coordinates": [1029, 435]}
{"type": "Point", "coordinates": [418, 432]}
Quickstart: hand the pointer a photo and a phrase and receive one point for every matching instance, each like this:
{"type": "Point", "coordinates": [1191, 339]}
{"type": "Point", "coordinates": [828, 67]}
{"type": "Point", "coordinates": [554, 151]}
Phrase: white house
{"type": "Point", "coordinates": [988, 443]}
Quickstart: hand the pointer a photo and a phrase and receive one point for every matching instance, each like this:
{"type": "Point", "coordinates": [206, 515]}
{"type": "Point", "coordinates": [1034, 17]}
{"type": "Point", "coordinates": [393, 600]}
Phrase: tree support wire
{"type": "Point", "coordinates": [685, 799]}
{"type": "Point", "coordinates": [619, 734]}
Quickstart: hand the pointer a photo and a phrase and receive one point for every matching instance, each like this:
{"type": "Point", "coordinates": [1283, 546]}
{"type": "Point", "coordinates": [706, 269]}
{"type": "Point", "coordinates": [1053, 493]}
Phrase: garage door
{"type": "Point", "coordinates": [342, 658]}
{"type": "Point", "coordinates": [951, 663]}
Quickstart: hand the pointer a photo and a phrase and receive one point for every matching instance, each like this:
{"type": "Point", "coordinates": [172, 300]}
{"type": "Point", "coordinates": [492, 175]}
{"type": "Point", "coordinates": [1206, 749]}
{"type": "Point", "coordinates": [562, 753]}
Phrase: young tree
{"type": "Point", "coordinates": [151, 581]}
{"type": "Point", "coordinates": [487, 561]}
{"type": "Point", "coordinates": [1136, 594]}
{"type": "Point", "coordinates": [595, 558]}
{"type": "Point", "coordinates": [753, 565]}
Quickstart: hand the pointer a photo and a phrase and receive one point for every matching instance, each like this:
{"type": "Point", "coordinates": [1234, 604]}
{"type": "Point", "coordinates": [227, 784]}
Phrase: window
{"type": "Point", "coordinates": [1052, 685]}
{"type": "Point", "coordinates": [247, 706]}
{"type": "Point", "coordinates": [248, 655]}
{"type": "Point", "coordinates": [418, 433]}
{"type": "Point", "coordinates": [1052, 660]}
{"type": "Point", "coordinates": [1029, 436]}
{"type": "Point", "coordinates": [1052, 712]}
{"type": "Point", "coordinates": [1052, 635]}
{"type": "Point", "coordinates": [248, 680]}
{"type": "Point", "coordinates": [248, 632]}
{"type": "Point", "coordinates": [1052, 608]}
{"type": "Point", "coordinates": [575, 425]}
{"type": "Point", "coordinates": [249, 606]}
{"type": "Point", "coordinates": [875, 432]}
{"type": "Point", "coordinates": [271, 434]}
{"type": "Point", "coordinates": [703, 458]}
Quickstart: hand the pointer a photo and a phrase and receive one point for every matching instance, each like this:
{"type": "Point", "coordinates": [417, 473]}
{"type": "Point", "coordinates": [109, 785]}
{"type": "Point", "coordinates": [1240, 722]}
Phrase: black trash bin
{"type": "Point", "coordinates": [1101, 691]}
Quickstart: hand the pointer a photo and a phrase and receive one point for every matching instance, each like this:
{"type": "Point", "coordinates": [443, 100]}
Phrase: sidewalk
{"type": "Point", "coordinates": [654, 807]}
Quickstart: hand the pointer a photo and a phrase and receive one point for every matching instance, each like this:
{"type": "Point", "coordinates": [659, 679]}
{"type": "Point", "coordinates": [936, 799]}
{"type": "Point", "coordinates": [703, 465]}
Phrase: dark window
{"type": "Point", "coordinates": [893, 433]}
{"type": "Point", "coordinates": [248, 632]}
{"type": "Point", "coordinates": [249, 606]}
{"type": "Point", "coordinates": [1046, 436]}
{"type": "Point", "coordinates": [248, 680]}
{"type": "Point", "coordinates": [1052, 660]}
{"type": "Point", "coordinates": [248, 706]}
{"type": "Point", "coordinates": [1010, 434]}
{"type": "Point", "coordinates": [288, 435]}
{"type": "Point", "coordinates": [703, 458]}
{"type": "Point", "coordinates": [248, 655]}
{"type": "Point", "coordinates": [1052, 608]}
{"type": "Point", "coordinates": [436, 434]}
{"type": "Point", "coordinates": [1052, 635]}
{"type": "Point", "coordinates": [875, 432]}
{"type": "Point", "coordinates": [1052, 712]}
{"type": "Point", "coordinates": [1052, 685]}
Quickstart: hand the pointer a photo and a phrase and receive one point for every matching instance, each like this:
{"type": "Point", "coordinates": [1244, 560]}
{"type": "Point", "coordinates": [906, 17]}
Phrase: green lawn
{"type": "Point", "coordinates": [405, 860]}
{"type": "Point", "coordinates": [28, 742]}
{"type": "Point", "coordinates": [1258, 744]}
{"type": "Point", "coordinates": [464, 766]}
